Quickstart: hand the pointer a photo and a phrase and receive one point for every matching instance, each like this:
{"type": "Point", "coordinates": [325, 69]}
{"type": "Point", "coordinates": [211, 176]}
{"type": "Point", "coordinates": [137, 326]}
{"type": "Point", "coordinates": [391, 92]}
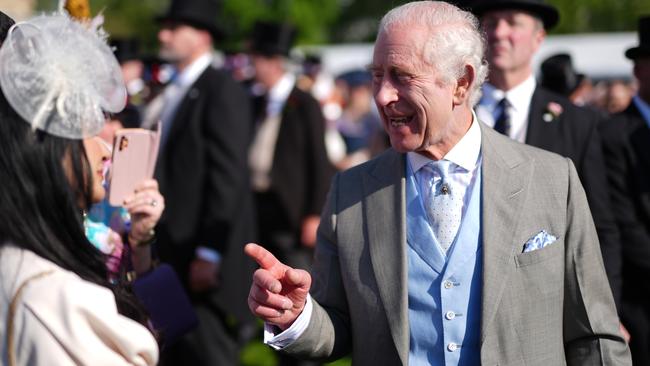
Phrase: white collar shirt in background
{"type": "Point", "coordinates": [278, 95]}
{"type": "Point", "coordinates": [520, 98]}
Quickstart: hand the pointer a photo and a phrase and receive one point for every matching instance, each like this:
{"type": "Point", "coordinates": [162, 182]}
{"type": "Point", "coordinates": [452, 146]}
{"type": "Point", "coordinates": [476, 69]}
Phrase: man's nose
{"type": "Point", "coordinates": [499, 30]}
{"type": "Point", "coordinates": [385, 93]}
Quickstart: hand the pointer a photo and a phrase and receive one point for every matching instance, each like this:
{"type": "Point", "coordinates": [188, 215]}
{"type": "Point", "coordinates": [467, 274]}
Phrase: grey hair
{"type": "Point", "coordinates": [455, 39]}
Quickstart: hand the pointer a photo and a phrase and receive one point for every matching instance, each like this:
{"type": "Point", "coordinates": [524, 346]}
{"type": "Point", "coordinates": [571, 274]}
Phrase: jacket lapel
{"type": "Point", "coordinates": [506, 174]}
{"type": "Point", "coordinates": [640, 135]}
{"type": "Point", "coordinates": [639, 139]}
{"type": "Point", "coordinates": [384, 190]}
{"type": "Point", "coordinates": [185, 109]}
{"type": "Point", "coordinates": [540, 133]}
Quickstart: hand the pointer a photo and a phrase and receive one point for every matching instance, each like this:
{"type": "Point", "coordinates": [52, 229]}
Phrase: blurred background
{"type": "Point", "coordinates": [335, 39]}
{"type": "Point", "coordinates": [341, 31]}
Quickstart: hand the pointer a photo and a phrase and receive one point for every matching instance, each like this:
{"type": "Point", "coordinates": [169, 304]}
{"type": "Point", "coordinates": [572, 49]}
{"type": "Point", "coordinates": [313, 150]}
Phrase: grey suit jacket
{"type": "Point", "coordinates": [548, 307]}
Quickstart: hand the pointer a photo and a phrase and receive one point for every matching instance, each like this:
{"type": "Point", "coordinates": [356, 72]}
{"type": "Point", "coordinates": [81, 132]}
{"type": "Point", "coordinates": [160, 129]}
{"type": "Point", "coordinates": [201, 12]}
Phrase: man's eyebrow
{"type": "Point", "coordinates": [371, 67]}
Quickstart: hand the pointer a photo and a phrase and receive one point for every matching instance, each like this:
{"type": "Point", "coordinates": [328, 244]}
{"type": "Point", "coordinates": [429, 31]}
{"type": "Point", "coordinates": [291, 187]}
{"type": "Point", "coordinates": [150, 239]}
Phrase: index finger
{"type": "Point", "coordinates": [262, 256]}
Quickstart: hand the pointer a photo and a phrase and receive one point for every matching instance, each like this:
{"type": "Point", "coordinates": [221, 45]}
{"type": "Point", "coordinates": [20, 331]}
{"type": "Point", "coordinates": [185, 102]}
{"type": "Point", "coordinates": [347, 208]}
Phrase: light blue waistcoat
{"type": "Point", "coordinates": [444, 292]}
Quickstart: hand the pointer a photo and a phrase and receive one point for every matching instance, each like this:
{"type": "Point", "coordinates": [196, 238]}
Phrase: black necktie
{"type": "Point", "coordinates": [502, 124]}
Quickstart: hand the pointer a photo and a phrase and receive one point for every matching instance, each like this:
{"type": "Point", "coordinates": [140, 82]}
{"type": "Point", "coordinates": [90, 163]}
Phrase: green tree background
{"type": "Point", "coordinates": [339, 21]}
{"type": "Point", "coordinates": [332, 21]}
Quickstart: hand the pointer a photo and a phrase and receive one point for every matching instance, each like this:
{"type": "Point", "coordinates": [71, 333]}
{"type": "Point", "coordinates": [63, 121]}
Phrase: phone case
{"type": "Point", "coordinates": [134, 159]}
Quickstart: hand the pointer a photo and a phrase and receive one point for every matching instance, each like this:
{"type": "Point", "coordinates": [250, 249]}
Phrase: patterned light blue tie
{"type": "Point", "coordinates": [443, 204]}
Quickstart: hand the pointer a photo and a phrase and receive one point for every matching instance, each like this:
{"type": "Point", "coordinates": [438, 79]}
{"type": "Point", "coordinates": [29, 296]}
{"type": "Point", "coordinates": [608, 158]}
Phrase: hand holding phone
{"type": "Point", "coordinates": [135, 152]}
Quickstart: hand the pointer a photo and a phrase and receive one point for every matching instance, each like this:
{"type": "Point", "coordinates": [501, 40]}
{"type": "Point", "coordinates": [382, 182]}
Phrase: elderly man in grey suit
{"type": "Point", "coordinates": [455, 247]}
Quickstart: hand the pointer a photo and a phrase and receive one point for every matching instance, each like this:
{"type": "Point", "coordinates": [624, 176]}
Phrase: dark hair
{"type": "Point", "coordinates": [39, 203]}
{"type": "Point", "coordinates": [5, 23]}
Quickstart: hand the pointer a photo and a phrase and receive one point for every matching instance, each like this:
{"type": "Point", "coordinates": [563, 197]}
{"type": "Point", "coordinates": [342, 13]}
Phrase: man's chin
{"type": "Point", "coordinates": [169, 57]}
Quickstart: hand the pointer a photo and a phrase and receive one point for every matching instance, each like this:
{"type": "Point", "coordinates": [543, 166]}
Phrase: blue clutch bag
{"type": "Point", "coordinates": [170, 310]}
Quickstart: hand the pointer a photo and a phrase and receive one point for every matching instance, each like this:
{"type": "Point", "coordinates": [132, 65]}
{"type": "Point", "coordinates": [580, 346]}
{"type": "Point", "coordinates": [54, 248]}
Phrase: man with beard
{"type": "Point", "coordinates": [203, 175]}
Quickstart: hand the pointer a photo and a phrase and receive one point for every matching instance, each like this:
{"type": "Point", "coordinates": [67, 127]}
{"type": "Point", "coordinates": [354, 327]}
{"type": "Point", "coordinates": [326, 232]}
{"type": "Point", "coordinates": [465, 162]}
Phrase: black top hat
{"type": "Point", "coordinates": [201, 14]}
{"type": "Point", "coordinates": [546, 12]}
{"type": "Point", "coordinates": [643, 49]}
{"type": "Point", "coordinates": [558, 74]}
{"type": "Point", "coordinates": [272, 39]}
{"type": "Point", "coordinates": [5, 23]}
{"type": "Point", "coordinates": [125, 49]}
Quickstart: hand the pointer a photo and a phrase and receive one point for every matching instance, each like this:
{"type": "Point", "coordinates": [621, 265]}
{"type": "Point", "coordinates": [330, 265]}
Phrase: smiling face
{"type": "Point", "coordinates": [513, 37]}
{"type": "Point", "coordinates": [415, 104]}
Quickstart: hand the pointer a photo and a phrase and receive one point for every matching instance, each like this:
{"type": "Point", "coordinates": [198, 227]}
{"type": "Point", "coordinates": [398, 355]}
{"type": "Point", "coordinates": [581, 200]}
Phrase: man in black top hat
{"type": "Point", "coordinates": [127, 52]}
{"type": "Point", "coordinates": [202, 170]}
{"type": "Point", "coordinates": [626, 141]}
{"type": "Point", "coordinates": [515, 105]}
{"type": "Point", "coordinates": [288, 160]}
{"type": "Point", "coordinates": [5, 23]}
{"type": "Point", "coordinates": [559, 76]}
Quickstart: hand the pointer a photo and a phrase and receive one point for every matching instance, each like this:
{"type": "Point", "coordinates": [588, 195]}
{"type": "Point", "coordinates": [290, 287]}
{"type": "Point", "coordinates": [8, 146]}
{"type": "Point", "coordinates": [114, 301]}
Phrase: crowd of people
{"type": "Point", "coordinates": [478, 212]}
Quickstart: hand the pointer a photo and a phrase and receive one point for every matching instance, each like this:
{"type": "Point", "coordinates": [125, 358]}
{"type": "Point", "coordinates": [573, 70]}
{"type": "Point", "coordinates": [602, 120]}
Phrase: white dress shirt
{"type": "Point", "coordinates": [519, 97]}
{"type": "Point", "coordinates": [164, 106]}
{"type": "Point", "coordinates": [262, 150]}
{"type": "Point", "coordinates": [466, 156]}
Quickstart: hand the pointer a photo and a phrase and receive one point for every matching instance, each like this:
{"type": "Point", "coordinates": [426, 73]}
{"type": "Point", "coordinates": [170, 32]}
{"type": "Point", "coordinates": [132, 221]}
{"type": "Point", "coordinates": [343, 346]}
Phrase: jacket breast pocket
{"type": "Point", "coordinates": [540, 255]}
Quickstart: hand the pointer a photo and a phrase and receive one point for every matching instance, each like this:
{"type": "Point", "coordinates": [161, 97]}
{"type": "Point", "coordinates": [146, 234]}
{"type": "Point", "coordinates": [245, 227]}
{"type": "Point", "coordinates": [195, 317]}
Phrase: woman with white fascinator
{"type": "Point", "coordinates": [58, 78]}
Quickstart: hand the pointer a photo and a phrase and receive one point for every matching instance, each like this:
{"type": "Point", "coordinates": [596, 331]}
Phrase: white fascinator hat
{"type": "Point", "coordinates": [60, 75]}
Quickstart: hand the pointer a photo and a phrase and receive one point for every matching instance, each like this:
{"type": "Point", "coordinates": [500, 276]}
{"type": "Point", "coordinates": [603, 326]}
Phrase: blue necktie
{"type": "Point", "coordinates": [444, 204]}
{"type": "Point", "coordinates": [503, 122]}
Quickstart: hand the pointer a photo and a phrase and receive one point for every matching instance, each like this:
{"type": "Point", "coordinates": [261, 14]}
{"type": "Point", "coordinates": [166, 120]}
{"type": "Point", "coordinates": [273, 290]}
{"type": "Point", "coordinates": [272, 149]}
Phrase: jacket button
{"type": "Point", "coordinates": [450, 315]}
{"type": "Point", "coordinates": [452, 347]}
{"type": "Point", "coordinates": [448, 285]}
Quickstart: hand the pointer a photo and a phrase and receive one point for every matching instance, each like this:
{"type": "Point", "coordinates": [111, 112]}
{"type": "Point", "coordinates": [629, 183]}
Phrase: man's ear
{"type": "Point", "coordinates": [463, 85]}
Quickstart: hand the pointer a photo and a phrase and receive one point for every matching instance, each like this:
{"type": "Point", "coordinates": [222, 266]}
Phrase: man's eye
{"type": "Point", "coordinates": [403, 77]}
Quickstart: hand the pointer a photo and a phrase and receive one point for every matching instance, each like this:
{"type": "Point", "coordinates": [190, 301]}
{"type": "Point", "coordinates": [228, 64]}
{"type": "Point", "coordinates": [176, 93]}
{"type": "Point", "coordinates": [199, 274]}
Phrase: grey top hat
{"type": "Point", "coordinates": [546, 12]}
{"type": "Point", "coordinates": [201, 14]}
{"type": "Point", "coordinates": [643, 49]}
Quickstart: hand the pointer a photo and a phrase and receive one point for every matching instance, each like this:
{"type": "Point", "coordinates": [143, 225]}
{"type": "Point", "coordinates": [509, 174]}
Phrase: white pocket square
{"type": "Point", "coordinates": [539, 241]}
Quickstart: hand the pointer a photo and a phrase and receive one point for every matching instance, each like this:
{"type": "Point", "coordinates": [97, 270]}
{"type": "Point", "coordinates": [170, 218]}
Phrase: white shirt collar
{"type": "Point", "coordinates": [192, 72]}
{"type": "Point", "coordinates": [519, 97]}
{"type": "Point", "coordinates": [281, 90]}
{"type": "Point", "coordinates": [279, 93]}
{"type": "Point", "coordinates": [465, 153]}
{"type": "Point", "coordinates": [643, 107]}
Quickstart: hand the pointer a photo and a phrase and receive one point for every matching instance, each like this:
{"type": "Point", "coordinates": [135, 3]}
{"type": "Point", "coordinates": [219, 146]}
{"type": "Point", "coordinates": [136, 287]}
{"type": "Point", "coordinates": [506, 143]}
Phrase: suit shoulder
{"type": "Point", "coordinates": [220, 78]}
{"type": "Point", "coordinates": [512, 151]}
{"type": "Point", "coordinates": [576, 116]}
{"type": "Point", "coordinates": [389, 157]}
{"type": "Point", "coordinates": [539, 154]}
{"type": "Point", "coordinates": [301, 98]}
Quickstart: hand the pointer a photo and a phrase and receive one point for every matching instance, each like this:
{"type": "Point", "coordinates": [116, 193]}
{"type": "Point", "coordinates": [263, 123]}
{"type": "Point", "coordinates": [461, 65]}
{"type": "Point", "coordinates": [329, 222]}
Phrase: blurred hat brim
{"type": "Point", "coordinates": [547, 13]}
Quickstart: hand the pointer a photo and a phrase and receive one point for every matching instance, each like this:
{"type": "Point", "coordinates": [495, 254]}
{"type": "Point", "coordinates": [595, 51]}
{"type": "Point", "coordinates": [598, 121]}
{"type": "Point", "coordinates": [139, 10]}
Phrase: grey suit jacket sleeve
{"type": "Point", "coordinates": [328, 335]}
{"type": "Point", "coordinates": [591, 334]}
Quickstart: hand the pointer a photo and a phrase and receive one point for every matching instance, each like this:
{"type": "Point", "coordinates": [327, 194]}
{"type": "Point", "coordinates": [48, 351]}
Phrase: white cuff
{"type": "Point", "coordinates": [208, 254]}
{"type": "Point", "coordinates": [281, 340]}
